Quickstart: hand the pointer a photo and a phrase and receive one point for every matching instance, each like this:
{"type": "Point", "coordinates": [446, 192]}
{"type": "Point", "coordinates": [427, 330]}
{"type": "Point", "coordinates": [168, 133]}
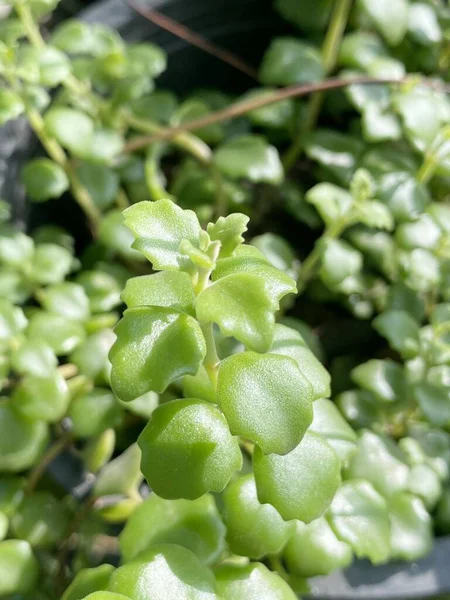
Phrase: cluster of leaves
{"type": "Point", "coordinates": [258, 480]}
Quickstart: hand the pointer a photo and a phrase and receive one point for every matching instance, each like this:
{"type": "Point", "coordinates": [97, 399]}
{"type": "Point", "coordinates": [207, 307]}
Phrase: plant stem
{"type": "Point", "coordinates": [211, 361]}
{"type": "Point", "coordinates": [48, 457]}
{"type": "Point", "coordinates": [184, 140]}
{"type": "Point", "coordinates": [309, 265]}
{"type": "Point", "coordinates": [427, 169]}
{"type": "Point", "coordinates": [330, 53]}
{"type": "Point", "coordinates": [31, 29]}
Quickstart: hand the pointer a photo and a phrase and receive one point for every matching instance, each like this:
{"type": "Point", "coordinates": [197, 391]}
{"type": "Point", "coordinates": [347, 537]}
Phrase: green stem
{"type": "Point", "coordinates": [310, 264]}
{"type": "Point", "coordinates": [31, 29]}
{"type": "Point", "coordinates": [211, 361]}
{"type": "Point", "coordinates": [330, 53]}
{"type": "Point", "coordinates": [427, 169]}
{"type": "Point", "coordinates": [185, 141]}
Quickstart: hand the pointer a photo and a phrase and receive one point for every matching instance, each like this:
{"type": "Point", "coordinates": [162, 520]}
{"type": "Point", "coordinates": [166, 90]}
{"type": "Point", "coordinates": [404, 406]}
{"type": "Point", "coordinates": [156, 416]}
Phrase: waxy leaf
{"type": "Point", "coordinates": [252, 582]}
{"type": "Point", "coordinates": [122, 475]}
{"type": "Point", "coordinates": [38, 398]}
{"type": "Point", "coordinates": [411, 528]}
{"type": "Point", "coordinates": [403, 194]}
{"type": "Point", "coordinates": [288, 342]}
{"type": "Point", "coordinates": [434, 401]}
{"type": "Point", "coordinates": [159, 227]}
{"type": "Point", "coordinates": [91, 357]}
{"type": "Point", "coordinates": [21, 441]}
{"type": "Point", "coordinates": [92, 413]}
{"type": "Point", "coordinates": [195, 525]}
{"type": "Point", "coordinates": [401, 331]}
{"type": "Point", "coordinates": [66, 299]}
{"type": "Point", "coordinates": [329, 422]}
{"type": "Point", "coordinates": [384, 378]}
{"type": "Point", "coordinates": [51, 264]}
{"type": "Point", "coordinates": [301, 484]}
{"type": "Point", "coordinates": [72, 128]}
{"type": "Point", "coordinates": [188, 450]}
{"type": "Point", "coordinates": [165, 572]}
{"type": "Point", "coordinates": [304, 15]}
{"type": "Point", "coordinates": [288, 61]}
{"type": "Point", "coordinates": [229, 232]}
{"type": "Point", "coordinates": [19, 569]}
{"type": "Point", "coordinates": [359, 516]}
{"type": "Point", "coordinates": [172, 289]}
{"type": "Point", "coordinates": [249, 157]}
{"type": "Point", "coordinates": [315, 550]}
{"type": "Point", "coordinates": [154, 347]}
{"type": "Point", "coordinates": [44, 179]}
{"type": "Point", "coordinates": [101, 181]}
{"type": "Point", "coordinates": [331, 201]}
{"type": "Point", "coordinates": [253, 529]}
{"type": "Point", "coordinates": [87, 581]}
{"type": "Point", "coordinates": [423, 24]}
{"type": "Point", "coordinates": [390, 17]}
{"type": "Point", "coordinates": [251, 386]}
{"type": "Point", "coordinates": [61, 334]}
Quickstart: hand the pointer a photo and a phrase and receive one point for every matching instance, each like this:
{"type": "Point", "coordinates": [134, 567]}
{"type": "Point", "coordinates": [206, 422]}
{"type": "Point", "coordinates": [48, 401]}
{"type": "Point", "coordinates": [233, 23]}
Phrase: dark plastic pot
{"type": "Point", "coordinates": [244, 27]}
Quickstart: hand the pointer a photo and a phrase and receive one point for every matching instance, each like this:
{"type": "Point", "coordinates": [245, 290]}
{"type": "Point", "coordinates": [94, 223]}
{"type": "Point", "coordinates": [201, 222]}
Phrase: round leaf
{"type": "Point", "coordinates": [38, 398]}
{"type": "Point", "coordinates": [88, 581]}
{"type": "Point", "coordinates": [72, 128]}
{"type": "Point", "coordinates": [411, 528]}
{"type": "Point", "coordinates": [93, 413]}
{"type": "Point", "coordinates": [289, 61]}
{"type": "Point", "coordinates": [44, 179]}
{"type": "Point", "coordinates": [169, 289]}
{"type": "Point", "coordinates": [60, 333]}
{"type": "Point", "coordinates": [34, 357]}
{"type": "Point", "coordinates": [252, 582]}
{"type": "Point", "coordinates": [329, 422]}
{"type": "Point", "coordinates": [19, 569]}
{"type": "Point", "coordinates": [21, 441]}
{"type": "Point", "coordinates": [66, 299]}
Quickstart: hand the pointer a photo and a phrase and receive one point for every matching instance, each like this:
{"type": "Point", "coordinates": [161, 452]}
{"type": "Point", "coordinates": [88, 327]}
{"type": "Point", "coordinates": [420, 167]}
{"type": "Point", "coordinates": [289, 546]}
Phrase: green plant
{"type": "Point", "coordinates": [258, 479]}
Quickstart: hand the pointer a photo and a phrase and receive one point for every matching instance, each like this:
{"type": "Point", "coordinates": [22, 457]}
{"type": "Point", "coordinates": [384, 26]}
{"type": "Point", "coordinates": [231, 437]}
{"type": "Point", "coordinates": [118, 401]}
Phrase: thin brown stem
{"type": "Point", "coordinates": [48, 457]}
{"type": "Point", "coordinates": [193, 38]}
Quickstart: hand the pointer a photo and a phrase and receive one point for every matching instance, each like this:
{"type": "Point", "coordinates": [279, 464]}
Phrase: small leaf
{"type": "Point", "coordinates": [88, 581]}
{"type": "Point", "coordinates": [101, 146]}
{"type": "Point", "coordinates": [54, 66]}
{"type": "Point", "coordinates": [16, 248]}
{"type": "Point", "coordinates": [301, 484]}
{"type": "Point", "coordinates": [331, 201]}
{"type": "Point", "coordinates": [66, 299]}
{"type": "Point", "coordinates": [195, 525]}
{"type": "Point", "coordinates": [61, 334]}
{"type": "Point", "coordinates": [102, 289]}
{"type": "Point", "coordinates": [329, 422]}
{"type": "Point", "coordinates": [38, 398]}
{"type": "Point", "coordinates": [249, 157]}
{"type": "Point", "coordinates": [306, 16]}
{"type": "Point", "coordinates": [74, 37]}
{"type": "Point", "coordinates": [374, 214]}
{"type": "Point", "coordinates": [144, 358]}
{"type": "Point", "coordinates": [434, 402]}
{"type": "Point", "coordinates": [289, 61]}
{"type": "Point", "coordinates": [384, 378]}
{"type": "Point", "coordinates": [44, 179]}
{"type": "Point", "coordinates": [379, 125]}
{"type": "Point", "coordinates": [72, 128]}
{"type": "Point", "coordinates": [289, 342]}
{"type": "Point", "coordinates": [278, 252]}
{"type": "Point", "coordinates": [11, 105]}
{"type": "Point", "coordinates": [164, 572]}
{"type": "Point", "coordinates": [188, 450]}
{"type": "Point", "coordinates": [101, 182]}
{"type": "Point", "coordinates": [337, 152]}
{"type": "Point", "coordinates": [19, 569]}
{"type": "Point", "coordinates": [92, 413]}
{"type": "Point", "coordinates": [116, 236]}
{"type": "Point", "coordinates": [158, 228]}
{"type": "Point", "coordinates": [171, 289]}
{"type": "Point", "coordinates": [381, 462]}
{"type": "Point", "coordinates": [339, 262]}
{"type": "Point", "coordinates": [229, 232]}
{"type": "Point", "coordinates": [401, 331]}
{"type": "Point", "coordinates": [278, 115]}
{"type": "Point", "coordinates": [12, 320]}
{"type": "Point", "coordinates": [421, 233]}
{"type": "Point", "coordinates": [423, 481]}
{"type": "Point", "coordinates": [359, 516]}
{"type": "Point", "coordinates": [411, 528]}
{"type": "Point", "coordinates": [315, 550]}
{"type": "Point", "coordinates": [199, 386]}
{"type": "Point", "coordinates": [423, 24]}
{"type": "Point", "coordinates": [51, 264]}
{"type": "Point", "coordinates": [390, 17]}
{"type": "Point", "coordinates": [121, 475]}
{"type": "Point", "coordinates": [360, 48]}
{"type": "Point", "coordinates": [242, 307]}
{"type": "Point", "coordinates": [145, 59]}
{"type": "Point", "coordinates": [403, 194]}
{"type": "Point", "coordinates": [34, 357]}
{"type": "Point", "coordinates": [251, 386]}
{"type": "Point", "coordinates": [253, 529]}
{"type": "Point", "coordinates": [252, 582]}
{"type": "Point", "coordinates": [21, 441]}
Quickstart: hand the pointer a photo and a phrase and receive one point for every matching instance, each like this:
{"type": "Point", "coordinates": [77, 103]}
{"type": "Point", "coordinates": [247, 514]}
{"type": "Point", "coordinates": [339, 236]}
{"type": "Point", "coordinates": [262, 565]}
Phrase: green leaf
{"type": "Point", "coordinates": [199, 386]}
{"type": "Point", "coordinates": [145, 59]}
{"type": "Point", "coordinates": [252, 582]}
{"type": "Point", "coordinates": [102, 289]}
{"type": "Point", "coordinates": [403, 298]}
{"type": "Point", "coordinates": [38, 398]}
{"type": "Point", "coordinates": [278, 115]}
{"type": "Point", "coordinates": [384, 378]}
{"type": "Point", "coordinates": [170, 289]}
{"type": "Point", "coordinates": [41, 520]}
{"type": "Point", "coordinates": [360, 48]}
{"type": "Point", "coordinates": [359, 516]}
{"type": "Point", "coordinates": [11, 494]}
{"type": "Point", "coordinates": [306, 16]}
{"type": "Point", "coordinates": [366, 97]}
{"type": "Point", "coordinates": [44, 179]}
{"type": "Point", "coordinates": [288, 342]}
{"type": "Point", "coordinates": [88, 581]}
{"type": "Point", "coordinates": [122, 475]}
{"type": "Point", "coordinates": [101, 182]}
{"type": "Point", "coordinates": [315, 550]}
{"type": "Point", "coordinates": [249, 157]}
{"type": "Point", "coordinates": [253, 529]}
{"type": "Point", "coordinates": [51, 264]}
{"type": "Point", "coordinates": [379, 125]}
{"type": "Point", "coordinates": [243, 308]}
{"type": "Point", "coordinates": [11, 105]}
{"type": "Point", "coordinates": [423, 481]}
{"type": "Point", "coordinates": [159, 227]}
{"type": "Point", "coordinates": [379, 461]}
{"type": "Point", "coordinates": [422, 233]}
{"type": "Point", "coordinates": [328, 421]}
{"type": "Point", "coordinates": [229, 232]}
{"type": "Point", "coordinates": [116, 236]}
{"type": "Point", "coordinates": [158, 106]}
{"type": "Point", "coordinates": [21, 441]}
{"type": "Point", "coordinates": [4, 526]}
{"type": "Point", "coordinates": [337, 152]}
{"type": "Point", "coordinates": [195, 108]}
{"type": "Point", "coordinates": [106, 596]}
{"type": "Point", "coordinates": [60, 333]}
{"type": "Point", "coordinates": [403, 194]}
{"type": "Point", "coordinates": [390, 17]}
{"type": "Point", "coordinates": [411, 528]}
{"type": "Point", "coordinates": [165, 572]}
{"type": "Point", "coordinates": [251, 386]}
{"type": "Point", "coordinates": [248, 259]}
{"type": "Point", "coordinates": [72, 128]}
{"type": "Point", "coordinates": [12, 321]}
{"type": "Point", "coordinates": [301, 484]}
{"type": "Point", "coordinates": [144, 358]}
{"type": "Point", "coordinates": [34, 357]}
{"type": "Point", "coordinates": [339, 262]}
{"type": "Point", "coordinates": [401, 331]}
{"type": "Point", "coordinates": [331, 201]}
{"type": "Point", "coordinates": [101, 146]}
{"type": "Point", "coordinates": [374, 214]}
{"type": "Point", "coordinates": [195, 525]}
{"type": "Point", "coordinates": [188, 450]}
{"type": "Point", "coordinates": [72, 36]}
{"type": "Point", "coordinates": [54, 66]}
{"type": "Point", "coordinates": [92, 413]}
{"type": "Point", "coordinates": [66, 299]}
{"type": "Point", "coordinates": [16, 248]}
{"type": "Point", "coordinates": [422, 270]}
{"type": "Point", "coordinates": [19, 569]}
{"type": "Point", "coordinates": [288, 61]}
{"type": "Point", "coordinates": [278, 252]}
{"type": "Point", "coordinates": [423, 24]}
{"type": "Point", "coordinates": [434, 402]}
